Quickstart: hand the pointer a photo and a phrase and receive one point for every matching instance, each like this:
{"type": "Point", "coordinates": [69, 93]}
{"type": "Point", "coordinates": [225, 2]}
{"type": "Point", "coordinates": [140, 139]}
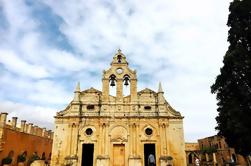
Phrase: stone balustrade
{"type": "Point", "coordinates": [24, 127]}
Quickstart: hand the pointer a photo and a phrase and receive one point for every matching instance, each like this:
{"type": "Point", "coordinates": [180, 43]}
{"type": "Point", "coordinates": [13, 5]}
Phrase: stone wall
{"type": "Point", "coordinates": [23, 137]}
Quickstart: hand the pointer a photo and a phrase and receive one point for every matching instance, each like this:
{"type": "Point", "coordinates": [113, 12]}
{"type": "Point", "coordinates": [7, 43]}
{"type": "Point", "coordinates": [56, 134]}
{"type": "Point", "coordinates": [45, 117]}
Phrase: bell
{"type": "Point", "coordinates": [119, 58]}
{"type": "Point", "coordinates": [126, 81]}
{"type": "Point", "coordinates": [112, 82]}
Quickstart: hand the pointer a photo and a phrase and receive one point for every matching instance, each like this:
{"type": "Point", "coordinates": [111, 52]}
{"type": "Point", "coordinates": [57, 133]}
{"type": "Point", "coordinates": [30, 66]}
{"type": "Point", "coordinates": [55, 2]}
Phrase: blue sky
{"type": "Point", "coordinates": [47, 46]}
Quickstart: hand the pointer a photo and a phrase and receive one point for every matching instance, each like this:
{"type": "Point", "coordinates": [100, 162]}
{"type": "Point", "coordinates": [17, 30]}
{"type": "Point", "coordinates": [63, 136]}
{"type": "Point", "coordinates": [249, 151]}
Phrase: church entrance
{"type": "Point", "coordinates": [87, 154]}
{"type": "Point", "coordinates": [149, 149]}
{"type": "Point", "coordinates": [118, 155]}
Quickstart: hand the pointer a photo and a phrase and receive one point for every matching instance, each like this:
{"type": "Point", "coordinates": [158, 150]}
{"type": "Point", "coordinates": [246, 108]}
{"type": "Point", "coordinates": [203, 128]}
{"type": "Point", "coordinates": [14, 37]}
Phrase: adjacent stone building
{"type": "Point", "coordinates": [192, 152]}
{"type": "Point", "coordinates": [17, 138]}
{"type": "Point", "coordinates": [99, 129]}
{"type": "Point", "coordinates": [215, 150]}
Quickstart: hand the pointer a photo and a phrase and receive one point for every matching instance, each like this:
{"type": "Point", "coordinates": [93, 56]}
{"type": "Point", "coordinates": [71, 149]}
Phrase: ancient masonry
{"type": "Point", "coordinates": [23, 137]}
{"type": "Point", "coordinates": [100, 129]}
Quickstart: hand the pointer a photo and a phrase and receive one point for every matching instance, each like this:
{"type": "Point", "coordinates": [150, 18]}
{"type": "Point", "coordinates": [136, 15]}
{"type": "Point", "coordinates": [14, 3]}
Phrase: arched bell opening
{"type": "Point", "coordinates": [112, 85]}
{"type": "Point", "coordinates": [119, 58]}
{"type": "Point", "coordinates": [190, 158]}
{"type": "Point", "coordinates": [126, 85]}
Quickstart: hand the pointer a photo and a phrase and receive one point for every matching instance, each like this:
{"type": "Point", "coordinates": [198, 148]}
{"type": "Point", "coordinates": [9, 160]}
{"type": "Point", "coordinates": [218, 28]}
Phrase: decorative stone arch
{"type": "Point", "coordinates": [83, 132]}
{"type": "Point", "coordinates": [148, 125]}
{"type": "Point", "coordinates": [118, 133]}
{"type": "Point", "coordinates": [190, 158]}
{"type": "Point", "coordinates": [145, 128]}
{"type": "Point", "coordinates": [112, 79]}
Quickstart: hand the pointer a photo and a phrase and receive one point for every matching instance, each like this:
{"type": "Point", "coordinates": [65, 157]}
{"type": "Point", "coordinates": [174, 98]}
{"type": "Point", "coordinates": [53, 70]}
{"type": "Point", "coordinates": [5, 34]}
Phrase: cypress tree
{"type": "Point", "coordinates": [233, 85]}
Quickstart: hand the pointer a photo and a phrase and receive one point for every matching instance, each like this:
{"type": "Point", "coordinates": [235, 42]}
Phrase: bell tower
{"type": "Point", "coordinates": [119, 75]}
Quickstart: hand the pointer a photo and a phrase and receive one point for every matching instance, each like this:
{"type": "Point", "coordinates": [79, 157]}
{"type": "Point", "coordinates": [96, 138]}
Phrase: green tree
{"type": "Point", "coordinates": [233, 85]}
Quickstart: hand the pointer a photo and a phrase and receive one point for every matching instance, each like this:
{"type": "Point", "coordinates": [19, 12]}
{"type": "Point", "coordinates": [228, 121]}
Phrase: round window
{"type": "Point", "coordinates": [88, 131]}
{"type": "Point", "coordinates": [148, 131]}
{"type": "Point", "coordinates": [119, 70]}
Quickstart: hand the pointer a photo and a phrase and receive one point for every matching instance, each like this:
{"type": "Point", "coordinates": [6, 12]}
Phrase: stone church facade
{"type": "Point", "coordinates": [99, 129]}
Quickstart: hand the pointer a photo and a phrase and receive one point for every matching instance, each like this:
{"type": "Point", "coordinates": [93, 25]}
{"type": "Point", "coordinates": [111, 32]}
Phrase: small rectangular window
{"type": "Point", "coordinates": [90, 107]}
{"type": "Point", "coordinates": [147, 107]}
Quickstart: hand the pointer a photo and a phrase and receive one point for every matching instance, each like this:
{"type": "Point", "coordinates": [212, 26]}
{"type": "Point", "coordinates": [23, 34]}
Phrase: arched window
{"type": "Point", "coordinates": [112, 80]}
{"type": "Point", "coordinates": [126, 83]}
{"type": "Point", "coordinates": [119, 57]}
{"type": "Point", "coordinates": [190, 159]}
{"type": "Point", "coordinates": [126, 80]}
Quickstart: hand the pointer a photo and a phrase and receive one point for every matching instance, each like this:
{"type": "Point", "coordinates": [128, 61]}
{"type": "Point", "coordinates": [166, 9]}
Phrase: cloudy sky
{"type": "Point", "coordinates": [47, 46]}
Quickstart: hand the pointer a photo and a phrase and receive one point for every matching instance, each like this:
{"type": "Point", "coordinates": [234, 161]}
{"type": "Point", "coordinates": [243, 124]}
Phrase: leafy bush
{"type": "Point", "coordinates": [33, 158]}
{"type": "Point", "coordinates": [208, 150]}
{"type": "Point", "coordinates": [7, 160]}
{"type": "Point", "coordinates": [21, 158]}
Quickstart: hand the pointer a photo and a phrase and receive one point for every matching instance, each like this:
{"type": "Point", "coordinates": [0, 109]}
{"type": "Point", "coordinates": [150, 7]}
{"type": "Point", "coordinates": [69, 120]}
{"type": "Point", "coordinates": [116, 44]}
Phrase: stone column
{"type": "Point", "coordinates": [119, 93]}
{"type": "Point", "coordinates": [39, 131]}
{"type": "Point", "coordinates": [35, 130]}
{"type": "Point", "coordinates": [130, 139]}
{"type": "Point", "coordinates": [69, 140]}
{"type": "Point", "coordinates": [26, 128]}
{"type": "Point", "coordinates": [133, 90]}
{"type": "Point", "coordinates": [43, 132]}
{"type": "Point", "coordinates": [134, 140]}
{"type": "Point", "coordinates": [165, 139]}
{"type": "Point", "coordinates": [107, 143]}
{"type": "Point", "coordinates": [30, 128]}
{"type": "Point", "coordinates": [103, 157]}
{"type": "Point", "coordinates": [214, 159]}
{"type": "Point", "coordinates": [207, 158]}
{"type": "Point", "coordinates": [164, 143]}
{"type": "Point", "coordinates": [3, 118]}
{"type": "Point", "coordinates": [103, 143]}
{"type": "Point", "coordinates": [105, 90]}
{"type": "Point", "coordinates": [162, 139]}
{"type": "Point", "coordinates": [137, 144]}
{"type": "Point", "coordinates": [99, 139]}
{"type": "Point", "coordinates": [74, 138]}
{"type": "Point", "coordinates": [46, 134]}
{"type": "Point", "coordinates": [14, 122]}
{"type": "Point", "coordinates": [23, 125]}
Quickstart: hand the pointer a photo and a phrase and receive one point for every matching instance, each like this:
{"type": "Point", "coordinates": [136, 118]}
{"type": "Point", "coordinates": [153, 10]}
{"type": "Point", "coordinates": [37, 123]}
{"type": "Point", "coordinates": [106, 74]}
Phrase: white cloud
{"type": "Point", "coordinates": [49, 92]}
{"type": "Point", "coordinates": [15, 64]}
{"type": "Point", "coordinates": [42, 92]}
{"type": "Point", "coordinates": [180, 43]}
{"type": "Point", "coordinates": [65, 61]}
{"type": "Point", "coordinates": [38, 115]}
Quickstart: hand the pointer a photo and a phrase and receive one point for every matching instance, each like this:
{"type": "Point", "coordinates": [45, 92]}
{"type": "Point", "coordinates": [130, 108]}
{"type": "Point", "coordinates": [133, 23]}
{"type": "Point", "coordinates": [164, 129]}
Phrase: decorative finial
{"type": "Point", "coordinates": [77, 87]}
{"type": "Point", "coordinates": [119, 50]}
{"type": "Point", "coordinates": [77, 93]}
{"type": "Point", "coordinates": [160, 90]}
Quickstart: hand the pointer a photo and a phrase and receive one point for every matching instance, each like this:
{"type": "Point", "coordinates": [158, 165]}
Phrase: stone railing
{"type": "Point", "coordinates": [24, 127]}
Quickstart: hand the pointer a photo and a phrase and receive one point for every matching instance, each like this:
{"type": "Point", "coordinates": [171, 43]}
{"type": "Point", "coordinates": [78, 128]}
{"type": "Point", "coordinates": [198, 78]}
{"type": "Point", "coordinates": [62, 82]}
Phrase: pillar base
{"type": "Point", "coordinates": [166, 161]}
{"type": "Point", "coordinates": [134, 161]}
{"type": "Point", "coordinates": [102, 160]}
{"type": "Point", "coordinates": [71, 160]}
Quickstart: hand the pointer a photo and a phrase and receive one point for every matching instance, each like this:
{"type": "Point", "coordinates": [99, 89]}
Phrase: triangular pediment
{"type": "Point", "coordinates": [91, 90]}
{"type": "Point", "coordinates": [146, 90]}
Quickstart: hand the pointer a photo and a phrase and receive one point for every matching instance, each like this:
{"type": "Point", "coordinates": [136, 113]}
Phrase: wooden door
{"type": "Point", "coordinates": [118, 155]}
